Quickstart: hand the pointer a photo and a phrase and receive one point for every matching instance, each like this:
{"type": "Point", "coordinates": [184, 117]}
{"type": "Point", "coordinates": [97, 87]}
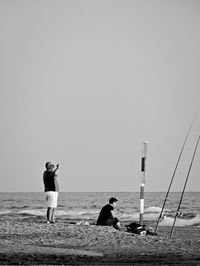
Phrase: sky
{"type": "Point", "coordinates": [84, 83]}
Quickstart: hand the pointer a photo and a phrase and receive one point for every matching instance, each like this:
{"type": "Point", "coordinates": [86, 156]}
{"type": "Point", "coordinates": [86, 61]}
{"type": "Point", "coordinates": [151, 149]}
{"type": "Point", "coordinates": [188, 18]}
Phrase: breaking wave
{"type": "Point", "coordinates": [150, 214]}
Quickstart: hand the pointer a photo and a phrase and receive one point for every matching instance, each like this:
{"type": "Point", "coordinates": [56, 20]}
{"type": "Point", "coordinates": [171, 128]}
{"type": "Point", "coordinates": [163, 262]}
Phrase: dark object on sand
{"type": "Point", "coordinates": [139, 229]}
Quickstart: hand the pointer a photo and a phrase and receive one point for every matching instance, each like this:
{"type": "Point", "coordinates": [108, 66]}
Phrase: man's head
{"type": "Point", "coordinates": [49, 166]}
{"type": "Point", "coordinates": [113, 201]}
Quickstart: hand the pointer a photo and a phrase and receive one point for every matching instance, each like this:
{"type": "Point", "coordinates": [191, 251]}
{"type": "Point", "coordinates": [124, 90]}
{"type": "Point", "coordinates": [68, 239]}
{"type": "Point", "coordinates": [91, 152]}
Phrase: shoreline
{"type": "Point", "coordinates": [33, 242]}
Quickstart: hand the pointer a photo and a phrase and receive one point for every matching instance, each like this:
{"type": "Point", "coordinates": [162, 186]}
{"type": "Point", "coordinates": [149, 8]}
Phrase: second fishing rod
{"type": "Point", "coordinates": [182, 194]}
{"type": "Point", "coordinates": [179, 157]}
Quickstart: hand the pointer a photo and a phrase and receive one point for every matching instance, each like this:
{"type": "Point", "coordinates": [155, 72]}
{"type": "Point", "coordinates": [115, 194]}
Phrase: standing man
{"type": "Point", "coordinates": [51, 189]}
{"type": "Point", "coordinates": [107, 214]}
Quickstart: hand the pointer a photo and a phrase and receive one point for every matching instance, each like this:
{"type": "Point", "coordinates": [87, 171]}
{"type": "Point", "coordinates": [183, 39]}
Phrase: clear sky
{"type": "Point", "coordinates": [86, 82]}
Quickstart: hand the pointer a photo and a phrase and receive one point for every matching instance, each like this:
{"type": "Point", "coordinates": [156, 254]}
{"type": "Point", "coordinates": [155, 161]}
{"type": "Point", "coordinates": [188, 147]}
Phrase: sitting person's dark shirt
{"type": "Point", "coordinates": [105, 214]}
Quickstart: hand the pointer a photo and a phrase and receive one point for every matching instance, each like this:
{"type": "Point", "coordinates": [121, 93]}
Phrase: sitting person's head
{"type": "Point", "coordinates": [113, 201]}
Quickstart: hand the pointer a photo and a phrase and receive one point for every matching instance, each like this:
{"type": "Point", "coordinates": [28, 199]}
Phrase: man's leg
{"type": "Point", "coordinates": [53, 216]}
{"type": "Point", "coordinates": [114, 222]}
{"type": "Point", "coordinates": [54, 204]}
{"type": "Point", "coordinates": [117, 226]}
{"type": "Point", "coordinates": [49, 214]}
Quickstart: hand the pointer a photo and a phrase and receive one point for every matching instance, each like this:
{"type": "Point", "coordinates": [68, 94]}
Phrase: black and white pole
{"type": "Point", "coordinates": [143, 179]}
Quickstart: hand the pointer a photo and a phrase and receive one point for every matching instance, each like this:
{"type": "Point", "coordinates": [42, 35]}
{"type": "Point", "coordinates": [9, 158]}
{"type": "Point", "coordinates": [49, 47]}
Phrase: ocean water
{"type": "Point", "coordinates": [82, 206]}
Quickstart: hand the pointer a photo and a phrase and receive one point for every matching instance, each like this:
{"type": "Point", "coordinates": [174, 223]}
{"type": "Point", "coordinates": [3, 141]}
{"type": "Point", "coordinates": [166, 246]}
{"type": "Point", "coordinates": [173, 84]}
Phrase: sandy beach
{"type": "Point", "coordinates": [30, 241]}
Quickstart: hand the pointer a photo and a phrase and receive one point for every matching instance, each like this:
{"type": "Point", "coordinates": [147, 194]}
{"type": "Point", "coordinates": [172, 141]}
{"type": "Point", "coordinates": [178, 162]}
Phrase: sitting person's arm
{"type": "Point", "coordinates": [112, 213]}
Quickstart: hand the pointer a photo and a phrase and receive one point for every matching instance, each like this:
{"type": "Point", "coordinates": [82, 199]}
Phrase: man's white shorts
{"type": "Point", "coordinates": [52, 198]}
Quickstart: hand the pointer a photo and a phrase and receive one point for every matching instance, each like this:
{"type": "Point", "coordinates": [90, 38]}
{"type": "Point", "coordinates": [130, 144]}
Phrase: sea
{"type": "Point", "coordinates": [76, 207]}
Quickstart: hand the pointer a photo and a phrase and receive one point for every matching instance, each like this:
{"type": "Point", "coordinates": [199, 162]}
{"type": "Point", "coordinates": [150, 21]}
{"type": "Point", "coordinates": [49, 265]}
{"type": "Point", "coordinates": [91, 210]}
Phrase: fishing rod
{"type": "Point", "coordinates": [188, 132]}
{"type": "Point", "coordinates": [172, 230]}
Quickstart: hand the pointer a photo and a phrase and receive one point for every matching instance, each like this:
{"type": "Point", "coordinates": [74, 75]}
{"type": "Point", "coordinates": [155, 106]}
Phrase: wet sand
{"type": "Point", "coordinates": [30, 241]}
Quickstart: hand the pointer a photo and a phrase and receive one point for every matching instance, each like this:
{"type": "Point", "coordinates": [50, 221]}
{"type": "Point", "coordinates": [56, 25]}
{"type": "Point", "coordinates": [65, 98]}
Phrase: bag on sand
{"type": "Point", "coordinates": [139, 229]}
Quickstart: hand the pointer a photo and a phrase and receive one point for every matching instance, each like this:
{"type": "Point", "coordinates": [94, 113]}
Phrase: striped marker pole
{"type": "Point", "coordinates": [143, 170]}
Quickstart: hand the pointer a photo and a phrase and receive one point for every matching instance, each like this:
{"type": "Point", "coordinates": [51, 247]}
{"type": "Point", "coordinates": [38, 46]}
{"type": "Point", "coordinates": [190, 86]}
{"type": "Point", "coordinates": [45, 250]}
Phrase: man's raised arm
{"type": "Point", "coordinates": [56, 171]}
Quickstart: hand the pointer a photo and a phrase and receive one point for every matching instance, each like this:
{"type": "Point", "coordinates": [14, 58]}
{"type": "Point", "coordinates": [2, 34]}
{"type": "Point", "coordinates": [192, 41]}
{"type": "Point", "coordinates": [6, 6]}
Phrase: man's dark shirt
{"type": "Point", "coordinates": [105, 214]}
{"type": "Point", "coordinates": [50, 181]}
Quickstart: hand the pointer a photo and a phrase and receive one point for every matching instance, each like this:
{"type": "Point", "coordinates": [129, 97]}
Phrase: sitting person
{"type": "Point", "coordinates": [106, 215]}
